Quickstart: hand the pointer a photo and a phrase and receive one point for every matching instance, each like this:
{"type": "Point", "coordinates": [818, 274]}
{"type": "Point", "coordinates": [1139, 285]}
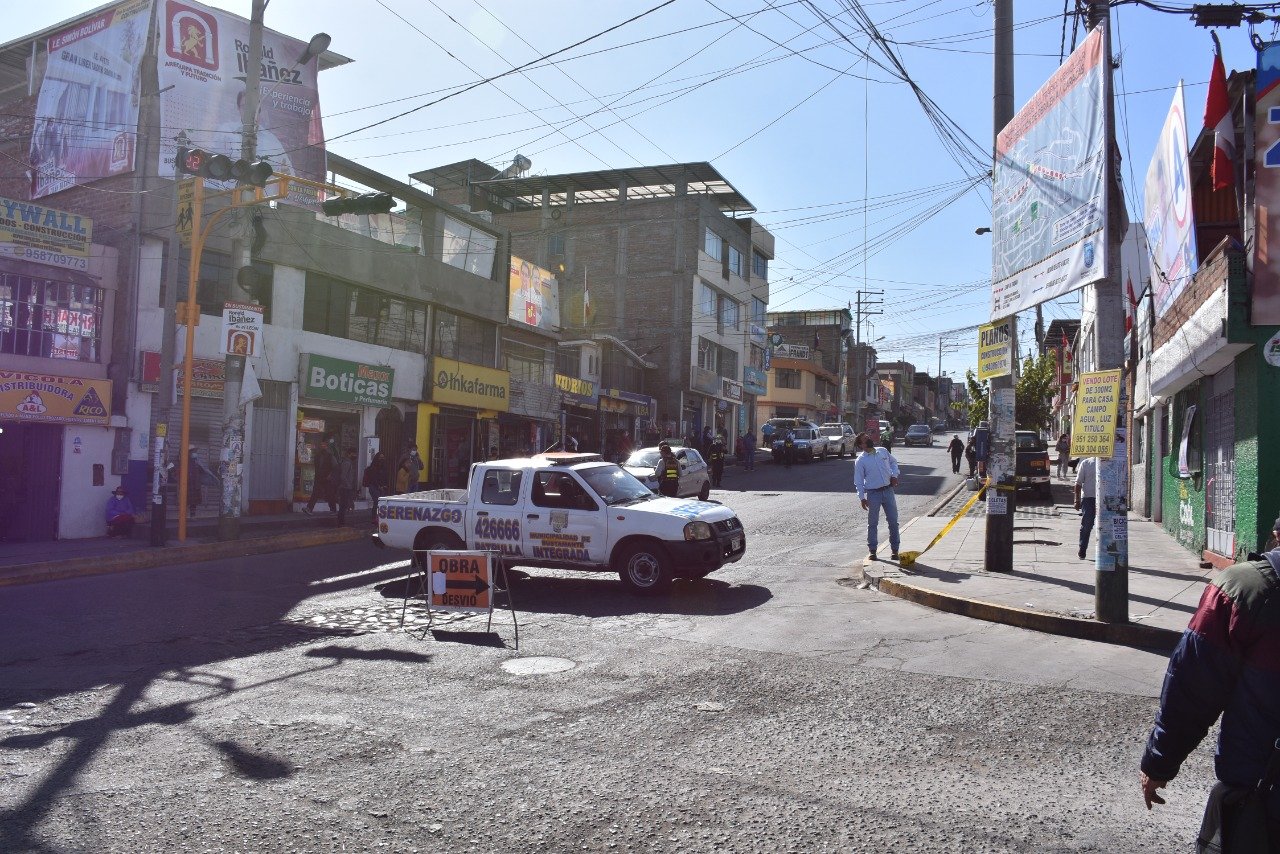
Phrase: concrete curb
{"type": "Point", "coordinates": [937, 508]}
{"type": "Point", "coordinates": [1126, 634]}
{"type": "Point", "coordinates": [34, 573]}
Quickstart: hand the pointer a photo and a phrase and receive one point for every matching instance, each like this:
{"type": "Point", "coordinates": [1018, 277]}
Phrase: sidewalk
{"type": "Point", "coordinates": [1050, 589]}
{"type": "Point", "coordinates": [25, 563]}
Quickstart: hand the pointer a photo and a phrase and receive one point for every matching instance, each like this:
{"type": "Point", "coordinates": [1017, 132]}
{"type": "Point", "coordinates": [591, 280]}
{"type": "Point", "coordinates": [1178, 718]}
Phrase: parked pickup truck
{"type": "Point", "coordinates": [568, 511]}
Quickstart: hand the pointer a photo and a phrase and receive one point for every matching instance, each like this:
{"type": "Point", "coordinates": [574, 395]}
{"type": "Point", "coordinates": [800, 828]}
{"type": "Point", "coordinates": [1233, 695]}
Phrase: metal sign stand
{"type": "Point", "coordinates": [419, 585]}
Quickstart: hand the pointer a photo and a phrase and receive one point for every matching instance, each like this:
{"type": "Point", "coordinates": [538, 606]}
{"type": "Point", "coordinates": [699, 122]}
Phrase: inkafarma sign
{"type": "Point", "coordinates": [326, 378]}
{"type": "Point", "coordinates": [464, 384]}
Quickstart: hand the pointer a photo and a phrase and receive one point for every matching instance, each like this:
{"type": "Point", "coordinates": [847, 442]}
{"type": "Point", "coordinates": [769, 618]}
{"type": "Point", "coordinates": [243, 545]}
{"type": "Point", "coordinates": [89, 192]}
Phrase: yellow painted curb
{"type": "Point", "coordinates": [1127, 634]}
{"type": "Point", "coordinates": [32, 573]}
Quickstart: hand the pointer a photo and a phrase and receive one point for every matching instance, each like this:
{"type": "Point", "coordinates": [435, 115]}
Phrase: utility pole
{"type": "Point", "coordinates": [233, 438]}
{"type": "Point", "coordinates": [1111, 562]}
{"type": "Point", "coordinates": [1002, 492]}
{"type": "Point", "coordinates": [866, 301]}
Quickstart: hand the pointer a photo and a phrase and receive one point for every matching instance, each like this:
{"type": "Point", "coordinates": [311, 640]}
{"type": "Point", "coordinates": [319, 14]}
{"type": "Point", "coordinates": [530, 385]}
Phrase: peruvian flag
{"type": "Point", "coordinates": [1130, 306]}
{"type": "Point", "coordinates": [1217, 115]}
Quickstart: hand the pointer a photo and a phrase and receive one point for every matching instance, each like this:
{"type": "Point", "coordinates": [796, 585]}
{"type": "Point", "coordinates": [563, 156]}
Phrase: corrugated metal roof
{"type": "Point", "coordinates": [645, 182]}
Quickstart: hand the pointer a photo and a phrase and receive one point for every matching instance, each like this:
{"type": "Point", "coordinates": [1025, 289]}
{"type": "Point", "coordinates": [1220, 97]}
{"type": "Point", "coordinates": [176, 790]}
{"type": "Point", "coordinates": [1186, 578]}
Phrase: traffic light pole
{"type": "Point", "coordinates": [233, 431]}
{"type": "Point", "coordinates": [998, 556]}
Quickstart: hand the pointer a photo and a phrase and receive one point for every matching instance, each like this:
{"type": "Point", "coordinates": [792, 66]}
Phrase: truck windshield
{"type": "Point", "coordinates": [615, 485]}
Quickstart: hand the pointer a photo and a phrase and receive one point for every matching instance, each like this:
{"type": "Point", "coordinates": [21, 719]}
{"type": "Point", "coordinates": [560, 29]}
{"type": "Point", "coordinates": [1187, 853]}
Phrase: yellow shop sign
{"type": "Point", "coordinates": [60, 400]}
{"type": "Point", "coordinates": [464, 384]}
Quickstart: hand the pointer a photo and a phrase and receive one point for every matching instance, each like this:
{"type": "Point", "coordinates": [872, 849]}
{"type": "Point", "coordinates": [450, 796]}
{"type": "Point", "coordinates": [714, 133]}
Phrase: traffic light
{"type": "Point", "coordinates": [366, 203]}
{"type": "Point", "coordinates": [219, 167]}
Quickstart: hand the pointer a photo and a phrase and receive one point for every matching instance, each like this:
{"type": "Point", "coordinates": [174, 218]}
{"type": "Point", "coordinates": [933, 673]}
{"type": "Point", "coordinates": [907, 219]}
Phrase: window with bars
{"type": "Point", "coordinates": [464, 339]}
{"type": "Point", "coordinates": [526, 363]}
{"type": "Point", "coordinates": [50, 319]}
{"type": "Point", "coordinates": [337, 308]}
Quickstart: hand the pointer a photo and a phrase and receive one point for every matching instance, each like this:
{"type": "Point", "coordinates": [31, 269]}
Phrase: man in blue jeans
{"type": "Point", "coordinates": [875, 474]}
{"type": "Point", "coordinates": [1086, 498]}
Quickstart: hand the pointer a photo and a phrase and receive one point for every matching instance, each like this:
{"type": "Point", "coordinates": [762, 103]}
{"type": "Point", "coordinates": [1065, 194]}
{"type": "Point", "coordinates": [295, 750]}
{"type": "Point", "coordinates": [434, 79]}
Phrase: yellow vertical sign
{"type": "Point", "coordinates": [1093, 426]}
{"type": "Point", "coordinates": [186, 200]}
{"type": "Point", "coordinates": [995, 350]}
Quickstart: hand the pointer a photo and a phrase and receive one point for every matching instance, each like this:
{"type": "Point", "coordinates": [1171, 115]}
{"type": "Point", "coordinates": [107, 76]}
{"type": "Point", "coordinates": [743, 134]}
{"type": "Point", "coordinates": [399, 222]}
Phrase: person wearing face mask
{"type": "Point", "coordinates": [413, 466]}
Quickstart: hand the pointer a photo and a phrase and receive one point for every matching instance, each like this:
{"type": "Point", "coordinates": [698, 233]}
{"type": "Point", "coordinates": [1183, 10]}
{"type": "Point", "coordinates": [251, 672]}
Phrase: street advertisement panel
{"type": "Point", "coordinates": [1049, 199]}
{"type": "Point", "coordinates": [1093, 426]}
{"type": "Point", "coordinates": [995, 349]}
{"type": "Point", "coordinates": [534, 296]}
{"type": "Point", "coordinates": [754, 380]}
{"type": "Point", "coordinates": [327, 378]}
{"type": "Point", "coordinates": [54, 399]}
{"type": "Point", "coordinates": [577, 391]}
{"type": "Point", "coordinates": [791, 351]}
{"type": "Point", "coordinates": [1266, 262]}
{"type": "Point", "coordinates": [86, 119]}
{"type": "Point", "coordinates": [470, 385]}
{"type": "Point", "coordinates": [203, 62]}
{"type": "Point", "coordinates": [242, 328]}
{"type": "Point", "coordinates": [208, 376]}
{"type": "Point", "coordinates": [1167, 215]}
{"type": "Point", "coordinates": [31, 232]}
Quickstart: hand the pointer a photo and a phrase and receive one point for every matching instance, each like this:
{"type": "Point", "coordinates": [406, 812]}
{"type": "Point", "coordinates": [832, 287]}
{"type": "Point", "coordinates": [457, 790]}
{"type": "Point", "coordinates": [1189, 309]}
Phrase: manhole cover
{"type": "Point", "coordinates": [536, 665]}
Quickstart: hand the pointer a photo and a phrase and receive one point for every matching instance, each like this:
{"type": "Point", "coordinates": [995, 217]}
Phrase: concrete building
{"type": "Point", "coordinates": [897, 382]}
{"type": "Point", "coordinates": [799, 387]}
{"type": "Point", "coordinates": [826, 333]}
{"type": "Point", "coordinates": [660, 259]}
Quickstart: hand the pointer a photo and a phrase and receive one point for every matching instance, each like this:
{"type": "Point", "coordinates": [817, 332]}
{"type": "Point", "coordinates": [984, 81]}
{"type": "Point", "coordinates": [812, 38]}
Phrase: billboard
{"type": "Point", "coordinates": [54, 399]}
{"type": "Point", "coordinates": [31, 232]}
{"type": "Point", "coordinates": [1266, 263]}
{"type": "Point", "coordinates": [1168, 219]}
{"type": "Point", "coordinates": [1049, 196]}
{"type": "Point", "coordinates": [203, 57]}
{"type": "Point", "coordinates": [534, 296]}
{"type": "Point", "coordinates": [86, 119]}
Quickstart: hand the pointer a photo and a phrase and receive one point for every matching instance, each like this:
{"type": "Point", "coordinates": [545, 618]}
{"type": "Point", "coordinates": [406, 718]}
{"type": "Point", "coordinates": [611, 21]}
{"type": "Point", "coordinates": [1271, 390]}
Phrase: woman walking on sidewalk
{"type": "Point", "coordinates": [1064, 455]}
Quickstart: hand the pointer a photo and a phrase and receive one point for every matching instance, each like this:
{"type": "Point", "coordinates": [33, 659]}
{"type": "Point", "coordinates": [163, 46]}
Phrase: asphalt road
{"type": "Point", "coordinates": [272, 704]}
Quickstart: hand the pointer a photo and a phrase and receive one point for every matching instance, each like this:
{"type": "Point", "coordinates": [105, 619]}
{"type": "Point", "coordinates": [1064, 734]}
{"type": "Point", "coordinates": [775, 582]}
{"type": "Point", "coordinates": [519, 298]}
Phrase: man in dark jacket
{"type": "Point", "coordinates": [716, 457]}
{"type": "Point", "coordinates": [957, 451]}
{"type": "Point", "coordinates": [1228, 664]}
{"type": "Point", "coordinates": [324, 481]}
{"type": "Point", "coordinates": [348, 485]}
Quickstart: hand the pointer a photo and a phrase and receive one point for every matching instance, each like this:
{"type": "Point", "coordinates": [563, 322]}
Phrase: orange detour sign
{"type": "Point", "coordinates": [461, 581]}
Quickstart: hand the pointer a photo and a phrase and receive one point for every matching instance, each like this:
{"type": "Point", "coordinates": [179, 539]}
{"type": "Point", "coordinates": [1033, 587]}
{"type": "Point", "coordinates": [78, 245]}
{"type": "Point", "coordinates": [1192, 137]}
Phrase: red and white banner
{"type": "Point", "coordinates": [86, 121]}
{"type": "Point", "coordinates": [203, 62]}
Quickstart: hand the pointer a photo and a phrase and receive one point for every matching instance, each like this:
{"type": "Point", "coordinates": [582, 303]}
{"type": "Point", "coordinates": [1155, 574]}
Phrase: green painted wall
{"type": "Point", "coordinates": [1257, 463]}
{"type": "Point", "coordinates": [1183, 498]}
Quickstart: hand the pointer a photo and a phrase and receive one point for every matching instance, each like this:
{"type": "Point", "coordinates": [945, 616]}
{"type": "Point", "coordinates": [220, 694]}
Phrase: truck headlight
{"type": "Point", "coordinates": [697, 531]}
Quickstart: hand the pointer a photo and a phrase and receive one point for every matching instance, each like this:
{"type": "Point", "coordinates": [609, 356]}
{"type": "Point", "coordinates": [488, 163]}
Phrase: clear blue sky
{"type": "Point", "coordinates": [841, 169]}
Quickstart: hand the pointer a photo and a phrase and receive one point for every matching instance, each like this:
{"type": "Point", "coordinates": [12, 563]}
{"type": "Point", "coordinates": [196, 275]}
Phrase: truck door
{"type": "Point", "coordinates": [564, 522]}
{"type": "Point", "coordinates": [497, 524]}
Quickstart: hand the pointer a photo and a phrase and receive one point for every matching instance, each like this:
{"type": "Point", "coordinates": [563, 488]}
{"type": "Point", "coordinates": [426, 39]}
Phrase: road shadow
{"type": "Point", "coordinates": [601, 594]}
{"type": "Point", "coordinates": [349, 653]}
{"type": "Point", "coordinates": [253, 764]}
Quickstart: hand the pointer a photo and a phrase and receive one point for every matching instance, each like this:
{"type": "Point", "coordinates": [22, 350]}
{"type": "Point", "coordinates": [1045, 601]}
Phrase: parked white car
{"type": "Point", "coordinates": [568, 511]}
{"type": "Point", "coordinates": [695, 474]}
{"type": "Point", "coordinates": [810, 444]}
{"type": "Point", "coordinates": [840, 437]}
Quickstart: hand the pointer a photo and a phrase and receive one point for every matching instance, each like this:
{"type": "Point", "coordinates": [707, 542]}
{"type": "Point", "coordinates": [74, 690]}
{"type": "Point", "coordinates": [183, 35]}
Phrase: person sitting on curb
{"type": "Point", "coordinates": [120, 514]}
{"type": "Point", "coordinates": [1225, 664]}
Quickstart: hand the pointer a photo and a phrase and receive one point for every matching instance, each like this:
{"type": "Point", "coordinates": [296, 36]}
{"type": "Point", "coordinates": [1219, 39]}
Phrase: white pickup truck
{"type": "Point", "coordinates": [568, 511]}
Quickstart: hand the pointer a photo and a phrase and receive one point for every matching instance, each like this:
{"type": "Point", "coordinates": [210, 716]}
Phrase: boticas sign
{"type": "Point", "coordinates": [326, 378]}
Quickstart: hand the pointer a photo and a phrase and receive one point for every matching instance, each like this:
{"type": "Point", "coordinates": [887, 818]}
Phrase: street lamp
{"type": "Point", "coordinates": [981, 230]}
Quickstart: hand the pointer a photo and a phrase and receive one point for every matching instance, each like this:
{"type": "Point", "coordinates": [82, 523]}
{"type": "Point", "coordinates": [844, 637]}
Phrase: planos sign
{"type": "Point", "coordinates": [995, 350]}
{"type": "Point", "coordinates": [326, 378]}
{"type": "Point", "coordinates": [465, 384]}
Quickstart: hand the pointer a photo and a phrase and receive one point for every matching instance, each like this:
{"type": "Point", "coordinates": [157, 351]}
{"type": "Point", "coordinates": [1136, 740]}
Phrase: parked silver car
{"type": "Point", "coordinates": [840, 437]}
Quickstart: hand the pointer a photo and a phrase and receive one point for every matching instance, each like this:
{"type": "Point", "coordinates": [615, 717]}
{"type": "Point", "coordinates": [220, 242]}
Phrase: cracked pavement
{"type": "Point", "coordinates": [272, 704]}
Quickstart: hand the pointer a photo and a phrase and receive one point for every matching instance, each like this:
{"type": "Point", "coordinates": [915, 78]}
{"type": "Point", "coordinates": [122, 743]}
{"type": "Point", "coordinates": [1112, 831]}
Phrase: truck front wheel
{"type": "Point", "coordinates": [645, 569]}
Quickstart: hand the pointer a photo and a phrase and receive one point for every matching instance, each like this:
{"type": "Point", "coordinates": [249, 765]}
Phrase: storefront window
{"type": "Point", "coordinates": [51, 319]}
{"type": "Point", "coordinates": [334, 307]}
{"type": "Point", "coordinates": [464, 339]}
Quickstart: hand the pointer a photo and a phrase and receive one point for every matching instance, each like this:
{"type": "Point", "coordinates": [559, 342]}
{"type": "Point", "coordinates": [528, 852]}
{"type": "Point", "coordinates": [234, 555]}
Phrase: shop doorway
{"type": "Point", "coordinates": [30, 477]}
{"type": "Point", "coordinates": [453, 439]}
{"type": "Point", "coordinates": [337, 431]}
{"type": "Point", "coordinates": [392, 438]}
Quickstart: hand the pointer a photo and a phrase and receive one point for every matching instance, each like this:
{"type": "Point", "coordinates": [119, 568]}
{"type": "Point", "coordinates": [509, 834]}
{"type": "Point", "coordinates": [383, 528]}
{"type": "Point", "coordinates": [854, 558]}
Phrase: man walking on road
{"type": "Point", "coordinates": [347, 484]}
{"type": "Point", "coordinates": [1086, 499]}
{"type": "Point", "coordinates": [1226, 665]}
{"type": "Point", "coordinates": [749, 450]}
{"type": "Point", "coordinates": [875, 474]}
{"type": "Point", "coordinates": [957, 451]}
{"type": "Point", "coordinates": [716, 456]}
